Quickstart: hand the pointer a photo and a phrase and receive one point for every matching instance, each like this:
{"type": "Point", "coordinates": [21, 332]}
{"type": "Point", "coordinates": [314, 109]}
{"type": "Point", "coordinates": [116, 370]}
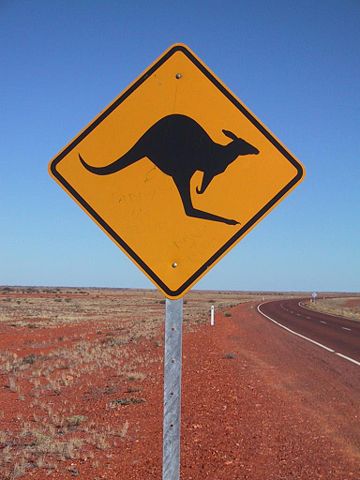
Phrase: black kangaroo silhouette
{"type": "Point", "coordinates": [179, 147]}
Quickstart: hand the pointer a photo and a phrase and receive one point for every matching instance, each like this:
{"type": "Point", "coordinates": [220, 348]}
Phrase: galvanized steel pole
{"type": "Point", "coordinates": [172, 389]}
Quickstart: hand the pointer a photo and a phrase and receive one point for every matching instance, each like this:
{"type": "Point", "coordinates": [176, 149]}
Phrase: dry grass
{"type": "Point", "coordinates": [348, 307]}
{"type": "Point", "coordinates": [51, 308]}
{"type": "Point", "coordinates": [57, 367]}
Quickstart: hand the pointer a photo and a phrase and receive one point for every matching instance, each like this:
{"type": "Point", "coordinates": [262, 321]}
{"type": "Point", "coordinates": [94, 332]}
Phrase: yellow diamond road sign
{"type": "Point", "coordinates": [176, 170]}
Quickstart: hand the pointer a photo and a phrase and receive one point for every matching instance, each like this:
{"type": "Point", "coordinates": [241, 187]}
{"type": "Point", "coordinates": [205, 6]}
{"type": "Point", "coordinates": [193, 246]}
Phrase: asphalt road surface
{"type": "Point", "coordinates": [336, 334]}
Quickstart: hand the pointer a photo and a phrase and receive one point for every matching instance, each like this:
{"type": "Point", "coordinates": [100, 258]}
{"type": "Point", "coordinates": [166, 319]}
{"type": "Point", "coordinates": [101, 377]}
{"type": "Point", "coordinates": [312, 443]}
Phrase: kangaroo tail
{"type": "Point", "coordinates": [119, 164]}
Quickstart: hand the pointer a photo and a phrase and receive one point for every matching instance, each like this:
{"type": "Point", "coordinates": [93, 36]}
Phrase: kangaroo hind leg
{"type": "Point", "coordinates": [183, 186]}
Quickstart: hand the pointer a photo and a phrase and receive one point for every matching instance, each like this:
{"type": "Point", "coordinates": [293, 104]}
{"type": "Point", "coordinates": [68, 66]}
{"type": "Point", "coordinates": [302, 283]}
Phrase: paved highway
{"type": "Point", "coordinates": [337, 335]}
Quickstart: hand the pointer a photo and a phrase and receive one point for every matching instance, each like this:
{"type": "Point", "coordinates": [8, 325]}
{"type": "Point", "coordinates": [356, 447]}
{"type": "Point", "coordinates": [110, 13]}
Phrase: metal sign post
{"type": "Point", "coordinates": [172, 389]}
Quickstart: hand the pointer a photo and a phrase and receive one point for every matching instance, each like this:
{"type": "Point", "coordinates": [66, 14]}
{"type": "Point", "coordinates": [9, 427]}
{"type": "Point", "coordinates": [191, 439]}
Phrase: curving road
{"type": "Point", "coordinates": [336, 334]}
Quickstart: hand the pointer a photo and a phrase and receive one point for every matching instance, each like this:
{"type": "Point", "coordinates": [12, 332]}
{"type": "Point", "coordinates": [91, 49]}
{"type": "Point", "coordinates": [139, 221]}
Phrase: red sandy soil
{"type": "Point", "coordinates": [352, 302]}
{"type": "Point", "coordinates": [258, 403]}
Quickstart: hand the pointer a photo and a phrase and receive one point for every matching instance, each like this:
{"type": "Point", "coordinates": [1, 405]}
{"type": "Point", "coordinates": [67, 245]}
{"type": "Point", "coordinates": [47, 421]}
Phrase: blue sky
{"type": "Point", "coordinates": [295, 64]}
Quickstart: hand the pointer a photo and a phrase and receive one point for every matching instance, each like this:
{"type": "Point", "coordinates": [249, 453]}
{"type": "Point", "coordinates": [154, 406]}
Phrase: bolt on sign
{"type": "Point", "coordinates": [176, 170]}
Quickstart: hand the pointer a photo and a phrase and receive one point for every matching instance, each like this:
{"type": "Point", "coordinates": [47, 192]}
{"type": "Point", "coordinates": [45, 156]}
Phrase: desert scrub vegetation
{"type": "Point", "coordinates": [348, 306]}
{"type": "Point", "coordinates": [48, 442]}
{"type": "Point", "coordinates": [53, 307]}
{"type": "Point", "coordinates": [55, 426]}
{"type": "Point", "coordinates": [72, 352]}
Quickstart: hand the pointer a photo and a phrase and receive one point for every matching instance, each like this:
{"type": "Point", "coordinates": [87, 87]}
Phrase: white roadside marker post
{"type": "Point", "coordinates": [172, 389]}
{"type": "Point", "coordinates": [212, 315]}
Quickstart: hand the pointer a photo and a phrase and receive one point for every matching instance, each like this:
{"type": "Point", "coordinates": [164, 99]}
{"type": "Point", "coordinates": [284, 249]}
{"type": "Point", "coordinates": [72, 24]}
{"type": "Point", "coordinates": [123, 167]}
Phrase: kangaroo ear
{"type": "Point", "coordinates": [230, 134]}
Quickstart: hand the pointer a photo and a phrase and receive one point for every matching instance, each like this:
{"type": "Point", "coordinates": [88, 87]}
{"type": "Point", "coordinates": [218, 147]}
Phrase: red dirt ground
{"type": "Point", "coordinates": [353, 302]}
{"type": "Point", "coordinates": [258, 403]}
